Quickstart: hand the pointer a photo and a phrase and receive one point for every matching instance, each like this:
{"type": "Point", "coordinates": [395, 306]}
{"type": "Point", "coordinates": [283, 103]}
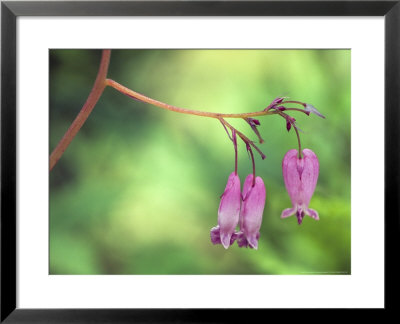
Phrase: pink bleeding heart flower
{"type": "Point", "coordinates": [300, 176]}
{"type": "Point", "coordinates": [251, 212]}
{"type": "Point", "coordinates": [228, 213]}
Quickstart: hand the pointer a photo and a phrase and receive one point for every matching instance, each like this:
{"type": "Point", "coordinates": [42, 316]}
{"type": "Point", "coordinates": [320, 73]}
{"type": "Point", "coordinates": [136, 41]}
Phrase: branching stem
{"type": "Point", "coordinates": [242, 136]}
{"type": "Point", "coordinates": [139, 96]}
{"type": "Point", "coordinates": [102, 81]}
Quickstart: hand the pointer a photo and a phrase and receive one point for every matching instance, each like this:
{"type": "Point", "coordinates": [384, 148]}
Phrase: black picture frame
{"type": "Point", "coordinates": [11, 10]}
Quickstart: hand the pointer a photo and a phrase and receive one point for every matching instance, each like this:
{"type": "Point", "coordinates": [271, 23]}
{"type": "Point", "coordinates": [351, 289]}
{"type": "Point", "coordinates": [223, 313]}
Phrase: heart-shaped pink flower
{"type": "Point", "coordinates": [251, 212]}
{"type": "Point", "coordinates": [228, 213]}
{"type": "Point", "coordinates": [300, 176]}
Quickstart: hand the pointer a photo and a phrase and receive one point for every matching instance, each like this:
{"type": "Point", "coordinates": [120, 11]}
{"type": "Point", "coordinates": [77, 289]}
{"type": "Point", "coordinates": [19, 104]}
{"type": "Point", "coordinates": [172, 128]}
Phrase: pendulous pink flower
{"type": "Point", "coordinates": [228, 213]}
{"type": "Point", "coordinates": [300, 176]}
{"type": "Point", "coordinates": [251, 212]}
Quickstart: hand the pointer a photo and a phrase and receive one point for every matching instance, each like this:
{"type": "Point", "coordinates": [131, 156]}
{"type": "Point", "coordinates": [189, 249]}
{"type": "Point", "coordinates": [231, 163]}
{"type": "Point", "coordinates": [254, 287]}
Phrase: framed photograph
{"type": "Point", "coordinates": [181, 160]}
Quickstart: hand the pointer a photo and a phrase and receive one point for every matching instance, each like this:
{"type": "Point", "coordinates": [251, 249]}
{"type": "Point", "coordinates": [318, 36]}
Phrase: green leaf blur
{"type": "Point", "coordinates": [138, 189]}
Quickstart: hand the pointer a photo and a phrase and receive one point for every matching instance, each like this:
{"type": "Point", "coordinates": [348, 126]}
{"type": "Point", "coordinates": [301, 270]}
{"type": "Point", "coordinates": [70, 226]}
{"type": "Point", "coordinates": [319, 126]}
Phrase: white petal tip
{"type": "Point", "coordinates": [312, 213]}
{"type": "Point", "coordinates": [253, 242]}
{"type": "Point", "coordinates": [226, 240]}
{"type": "Point", "coordinates": [313, 110]}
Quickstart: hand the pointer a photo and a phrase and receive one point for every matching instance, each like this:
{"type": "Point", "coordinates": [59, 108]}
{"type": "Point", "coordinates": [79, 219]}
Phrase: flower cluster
{"type": "Point", "coordinates": [245, 207]}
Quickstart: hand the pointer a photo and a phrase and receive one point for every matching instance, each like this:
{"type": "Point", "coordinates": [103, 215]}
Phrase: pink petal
{"type": "Point", "coordinates": [253, 241]}
{"type": "Point", "coordinates": [310, 175]}
{"type": "Point", "coordinates": [215, 236]}
{"type": "Point", "coordinates": [229, 209]}
{"type": "Point", "coordinates": [291, 175]}
{"type": "Point", "coordinates": [243, 242]}
{"type": "Point", "coordinates": [248, 183]}
{"type": "Point", "coordinates": [252, 209]}
{"type": "Point", "coordinates": [312, 213]}
{"type": "Point", "coordinates": [288, 212]}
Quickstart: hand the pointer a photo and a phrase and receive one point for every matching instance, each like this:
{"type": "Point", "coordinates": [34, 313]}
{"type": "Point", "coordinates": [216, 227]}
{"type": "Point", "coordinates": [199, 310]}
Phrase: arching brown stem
{"type": "Point", "coordinates": [87, 108]}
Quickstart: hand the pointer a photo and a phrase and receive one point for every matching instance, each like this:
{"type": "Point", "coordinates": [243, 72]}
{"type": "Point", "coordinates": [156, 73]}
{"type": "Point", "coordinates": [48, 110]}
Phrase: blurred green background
{"type": "Point", "coordinates": [138, 189]}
